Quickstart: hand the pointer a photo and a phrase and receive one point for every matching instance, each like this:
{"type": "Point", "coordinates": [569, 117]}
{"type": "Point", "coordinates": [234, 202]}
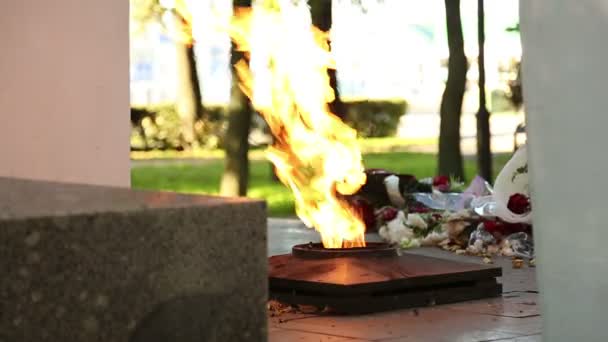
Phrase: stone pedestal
{"type": "Point", "coordinates": [564, 83]}
{"type": "Point", "coordinates": [88, 263]}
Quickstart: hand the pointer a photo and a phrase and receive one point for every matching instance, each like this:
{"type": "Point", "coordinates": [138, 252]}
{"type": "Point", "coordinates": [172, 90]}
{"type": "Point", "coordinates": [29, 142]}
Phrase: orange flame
{"type": "Point", "coordinates": [314, 152]}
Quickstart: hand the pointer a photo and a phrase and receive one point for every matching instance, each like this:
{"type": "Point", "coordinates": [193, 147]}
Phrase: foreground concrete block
{"type": "Point", "coordinates": [87, 263]}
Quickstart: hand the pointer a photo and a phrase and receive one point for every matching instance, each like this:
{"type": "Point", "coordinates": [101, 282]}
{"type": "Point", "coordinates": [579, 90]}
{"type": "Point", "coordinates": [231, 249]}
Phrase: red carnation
{"type": "Point", "coordinates": [441, 183]}
{"type": "Point", "coordinates": [501, 229]}
{"type": "Point", "coordinates": [389, 214]}
{"type": "Point", "coordinates": [492, 226]}
{"type": "Point", "coordinates": [519, 204]}
{"type": "Point", "coordinates": [418, 208]}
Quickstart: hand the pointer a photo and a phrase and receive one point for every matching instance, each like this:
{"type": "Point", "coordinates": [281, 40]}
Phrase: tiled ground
{"type": "Point", "coordinates": [514, 317]}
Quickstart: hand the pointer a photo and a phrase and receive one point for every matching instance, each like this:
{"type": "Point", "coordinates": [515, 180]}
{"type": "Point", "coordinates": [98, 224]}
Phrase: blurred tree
{"type": "Point", "coordinates": [515, 86]}
{"type": "Point", "coordinates": [375, 118]}
{"type": "Point", "coordinates": [236, 140]}
{"type": "Point", "coordinates": [188, 104]}
{"type": "Point", "coordinates": [450, 155]}
{"type": "Point", "coordinates": [321, 15]}
{"type": "Point", "coordinates": [484, 150]}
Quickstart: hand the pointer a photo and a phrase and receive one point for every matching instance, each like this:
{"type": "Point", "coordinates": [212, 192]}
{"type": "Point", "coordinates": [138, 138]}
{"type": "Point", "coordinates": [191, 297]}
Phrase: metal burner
{"type": "Point", "coordinates": [316, 250]}
{"type": "Point", "coordinates": [375, 278]}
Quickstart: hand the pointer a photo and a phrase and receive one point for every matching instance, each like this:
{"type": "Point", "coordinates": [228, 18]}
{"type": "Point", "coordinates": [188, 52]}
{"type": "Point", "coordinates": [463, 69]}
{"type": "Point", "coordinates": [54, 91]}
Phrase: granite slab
{"type": "Point", "coordinates": [90, 263]}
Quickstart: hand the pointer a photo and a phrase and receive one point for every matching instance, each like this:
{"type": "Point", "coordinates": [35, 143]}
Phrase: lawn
{"type": "Point", "coordinates": [367, 145]}
{"type": "Point", "coordinates": [204, 178]}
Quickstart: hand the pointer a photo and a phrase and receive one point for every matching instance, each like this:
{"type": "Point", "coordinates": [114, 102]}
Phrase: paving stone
{"type": "Point", "coordinates": [283, 335]}
{"type": "Point", "coordinates": [521, 326]}
{"type": "Point", "coordinates": [516, 304]}
{"type": "Point", "coordinates": [441, 335]}
{"type": "Point", "coordinates": [530, 338]}
{"type": "Point", "coordinates": [409, 323]}
{"type": "Point", "coordinates": [513, 280]}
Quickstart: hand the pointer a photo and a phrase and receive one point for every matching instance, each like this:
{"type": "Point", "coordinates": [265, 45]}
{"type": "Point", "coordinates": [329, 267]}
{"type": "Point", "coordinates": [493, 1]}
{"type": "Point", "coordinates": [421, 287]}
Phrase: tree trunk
{"type": "Point", "coordinates": [450, 156]}
{"type": "Point", "coordinates": [484, 150]}
{"type": "Point", "coordinates": [236, 140]}
{"type": "Point", "coordinates": [321, 15]}
{"type": "Point", "coordinates": [273, 170]}
{"type": "Point", "coordinates": [196, 84]}
{"type": "Point", "coordinates": [189, 103]}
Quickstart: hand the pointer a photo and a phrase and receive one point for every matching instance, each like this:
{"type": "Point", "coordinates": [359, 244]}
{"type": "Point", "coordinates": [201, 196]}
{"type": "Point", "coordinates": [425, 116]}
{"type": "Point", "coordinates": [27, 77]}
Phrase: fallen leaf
{"type": "Point", "coordinates": [518, 263]}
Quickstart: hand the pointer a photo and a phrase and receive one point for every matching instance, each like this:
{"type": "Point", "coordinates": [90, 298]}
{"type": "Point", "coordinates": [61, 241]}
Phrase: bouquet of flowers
{"type": "Point", "coordinates": [439, 211]}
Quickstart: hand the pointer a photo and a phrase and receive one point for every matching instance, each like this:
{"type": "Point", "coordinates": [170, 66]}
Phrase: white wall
{"type": "Point", "coordinates": [565, 77]}
{"type": "Point", "coordinates": [64, 90]}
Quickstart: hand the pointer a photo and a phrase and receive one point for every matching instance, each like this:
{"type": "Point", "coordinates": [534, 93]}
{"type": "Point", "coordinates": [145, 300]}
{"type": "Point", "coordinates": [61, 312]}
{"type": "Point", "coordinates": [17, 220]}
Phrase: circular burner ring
{"type": "Point", "coordinates": [316, 250]}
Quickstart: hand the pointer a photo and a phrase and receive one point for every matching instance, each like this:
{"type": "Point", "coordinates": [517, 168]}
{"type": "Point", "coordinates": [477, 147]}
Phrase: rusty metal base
{"type": "Point", "coordinates": [360, 283]}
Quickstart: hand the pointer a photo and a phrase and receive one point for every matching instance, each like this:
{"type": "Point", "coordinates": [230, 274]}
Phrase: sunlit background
{"type": "Point", "coordinates": [391, 57]}
{"type": "Point", "coordinates": [388, 49]}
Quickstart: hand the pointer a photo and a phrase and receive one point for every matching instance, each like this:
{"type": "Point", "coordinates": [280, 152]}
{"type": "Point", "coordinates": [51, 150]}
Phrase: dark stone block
{"type": "Point", "coordinates": [193, 319]}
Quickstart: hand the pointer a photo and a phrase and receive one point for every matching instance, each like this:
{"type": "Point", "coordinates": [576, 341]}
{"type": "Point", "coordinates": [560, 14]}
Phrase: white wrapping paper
{"type": "Point", "coordinates": [511, 181]}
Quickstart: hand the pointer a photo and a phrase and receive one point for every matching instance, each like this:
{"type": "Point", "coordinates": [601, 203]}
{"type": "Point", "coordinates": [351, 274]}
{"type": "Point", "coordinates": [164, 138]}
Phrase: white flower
{"type": "Point", "coordinates": [434, 238]}
{"type": "Point", "coordinates": [398, 221]}
{"type": "Point", "coordinates": [383, 232]}
{"type": "Point", "coordinates": [476, 248]}
{"type": "Point", "coordinates": [492, 249]}
{"type": "Point", "coordinates": [396, 230]}
{"type": "Point", "coordinates": [505, 248]}
{"type": "Point", "coordinates": [399, 235]}
{"type": "Point", "coordinates": [416, 221]}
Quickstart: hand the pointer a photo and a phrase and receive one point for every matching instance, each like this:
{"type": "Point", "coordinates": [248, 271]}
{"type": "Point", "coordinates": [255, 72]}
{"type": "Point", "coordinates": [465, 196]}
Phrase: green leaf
{"type": "Point", "coordinates": [519, 171]}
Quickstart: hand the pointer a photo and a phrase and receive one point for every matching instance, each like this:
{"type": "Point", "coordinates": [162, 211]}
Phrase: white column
{"type": "Point", "coordinates": [565, 77]}
{"type": "Point", "coordinates": [64, 90]}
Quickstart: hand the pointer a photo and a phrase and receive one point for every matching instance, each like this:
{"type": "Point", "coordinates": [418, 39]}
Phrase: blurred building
{"type": "Point", "coordinates": [153, 71]}
{"type": "Point", "coordinates": [388, 49]}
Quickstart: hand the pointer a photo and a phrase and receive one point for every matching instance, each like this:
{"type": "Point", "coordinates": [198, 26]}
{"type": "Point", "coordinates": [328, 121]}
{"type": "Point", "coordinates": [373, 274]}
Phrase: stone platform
{"type": "Point", "coordinates": [88, 263]}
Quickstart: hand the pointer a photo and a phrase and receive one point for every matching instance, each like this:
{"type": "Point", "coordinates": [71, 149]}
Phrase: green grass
{"type": "Point", "coordinates": [367, 145]}
{"type": "Point", "coordinates": [205, 178]}
{"type": "Point", "coordinates": [392, 144]}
